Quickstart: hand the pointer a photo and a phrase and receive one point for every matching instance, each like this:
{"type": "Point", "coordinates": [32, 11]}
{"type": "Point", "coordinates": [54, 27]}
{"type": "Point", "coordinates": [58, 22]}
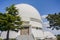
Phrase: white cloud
{"type": "Point", "coordinates": [44, 16]}
{"type": "Point", "coordinates": [46, 24]}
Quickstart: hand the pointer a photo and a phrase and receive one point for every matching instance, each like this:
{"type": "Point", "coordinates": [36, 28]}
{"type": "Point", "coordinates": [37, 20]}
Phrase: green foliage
{"type": "Point", "coordinates": [1, 39]}
{"type": "Point", "coordinates": [54, 21]}
{"type": "Point", "coordinates": [11, 39]}
{"type": "Point", "coordinates": [12, 10]}
{"type": "Point", "coordinates": [58, 37]}
{"type": "Point", "coordinates": [10, 20]}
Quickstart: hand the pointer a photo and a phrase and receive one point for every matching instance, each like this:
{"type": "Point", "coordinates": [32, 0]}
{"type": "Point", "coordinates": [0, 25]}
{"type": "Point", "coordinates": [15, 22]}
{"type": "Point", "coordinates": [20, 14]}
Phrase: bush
{"type": "Point", "coordinates": [58, 37]}
{"type": "Point", "coordinates": [0, 38]}
{"type": "Point", "coordinates": [11, 39]}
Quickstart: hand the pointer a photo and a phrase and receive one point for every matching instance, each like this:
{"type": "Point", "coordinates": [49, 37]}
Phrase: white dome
{"type": "Point", "coordinates": [29, 13]}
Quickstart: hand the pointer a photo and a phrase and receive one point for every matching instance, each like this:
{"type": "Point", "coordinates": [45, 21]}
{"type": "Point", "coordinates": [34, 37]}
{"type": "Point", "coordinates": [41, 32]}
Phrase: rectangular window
{"type": "Point", "coordinates": [37, 28]}
{"type": "Point", "coordinates": [25, 31]}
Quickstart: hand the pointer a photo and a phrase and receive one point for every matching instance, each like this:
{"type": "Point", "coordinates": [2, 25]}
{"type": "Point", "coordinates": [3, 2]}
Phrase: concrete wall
{"type": "Point", "coordinates": [25, 37]}
{"type": "Point", "coordinates": [12, 34]}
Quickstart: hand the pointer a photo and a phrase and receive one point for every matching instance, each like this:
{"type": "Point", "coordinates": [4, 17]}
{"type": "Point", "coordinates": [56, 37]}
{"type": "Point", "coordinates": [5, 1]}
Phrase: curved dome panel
{"type": "Point", "coordinates": [29, 13]}
{"type": "Point", "coordinates": [26, 10]}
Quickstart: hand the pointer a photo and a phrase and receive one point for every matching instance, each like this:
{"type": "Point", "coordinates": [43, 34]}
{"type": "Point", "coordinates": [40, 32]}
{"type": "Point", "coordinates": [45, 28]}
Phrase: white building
{"type": "Point", "coordinates": [33, 29]}
{"type": "Point", "coordinates": [32, 22]}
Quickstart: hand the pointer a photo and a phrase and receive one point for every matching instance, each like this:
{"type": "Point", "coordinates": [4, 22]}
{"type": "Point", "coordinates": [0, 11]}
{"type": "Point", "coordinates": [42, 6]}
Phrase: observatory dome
{"type": "Point", "coordinates": [29, 13]}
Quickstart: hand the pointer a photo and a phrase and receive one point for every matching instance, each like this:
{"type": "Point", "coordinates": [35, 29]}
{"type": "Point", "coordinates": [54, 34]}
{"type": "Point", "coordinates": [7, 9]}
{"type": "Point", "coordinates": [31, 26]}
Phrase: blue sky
{"type": "Point", "coordinates": [45, 7]}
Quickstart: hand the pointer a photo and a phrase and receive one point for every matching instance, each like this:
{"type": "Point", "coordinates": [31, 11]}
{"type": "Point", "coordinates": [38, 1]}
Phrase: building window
{"type": "Point", "coordinates": [38, 39]}
{"type": "Point", "coordinates": [25, 31]}
{"type": "Point", "coordinates": [37, 28]}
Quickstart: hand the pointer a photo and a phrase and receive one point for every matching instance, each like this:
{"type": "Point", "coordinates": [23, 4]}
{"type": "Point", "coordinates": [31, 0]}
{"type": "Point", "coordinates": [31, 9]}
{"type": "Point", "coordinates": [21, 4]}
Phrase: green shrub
{"type": "Point", "coordinates": [11, 39]}
{"type": "Point", "coordinates": [0, 38]}
{"type": "Point", "coordinates": [58, 37]}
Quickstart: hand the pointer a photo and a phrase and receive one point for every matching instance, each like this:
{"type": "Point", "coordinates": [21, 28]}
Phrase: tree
{"type": "Point", "coordinates": [54, 21]}
{"type": "Point", "coordinates": [12, 10]}
{"type": "Point", "coordinates": [58, 37]}
{"type": "Point", "coordinates": [10, 20]}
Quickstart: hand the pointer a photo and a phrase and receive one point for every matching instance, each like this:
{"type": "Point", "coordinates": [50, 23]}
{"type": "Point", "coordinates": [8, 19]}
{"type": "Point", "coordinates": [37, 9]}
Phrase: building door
{"type": "Point", "coordinates": [25, 31]}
